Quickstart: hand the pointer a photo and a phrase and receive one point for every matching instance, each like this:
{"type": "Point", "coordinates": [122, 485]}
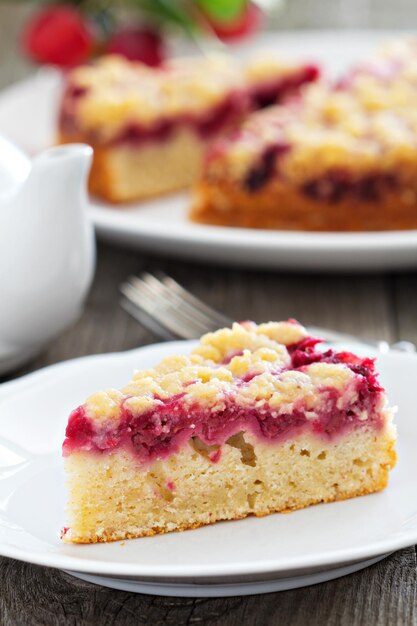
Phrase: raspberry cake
{"type": "Point", "coordinates": [255, 420]}
{"type": "Point", "coordinates": [149, 127]}
{"type": "Point", "coordinates": [342, 157]}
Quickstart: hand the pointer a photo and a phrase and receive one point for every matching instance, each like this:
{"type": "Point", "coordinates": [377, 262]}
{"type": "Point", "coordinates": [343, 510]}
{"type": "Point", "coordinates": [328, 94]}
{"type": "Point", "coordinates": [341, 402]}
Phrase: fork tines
{"type": "Point", "coordinates": [161, 304]}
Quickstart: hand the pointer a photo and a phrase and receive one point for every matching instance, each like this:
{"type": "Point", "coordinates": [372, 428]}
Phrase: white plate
{"type": "Point", "coordinates": [278, 551]}
{"type": "Point", "coordinates": [213, 590]}
{"type": "Point", "coordinates": [27, 116]}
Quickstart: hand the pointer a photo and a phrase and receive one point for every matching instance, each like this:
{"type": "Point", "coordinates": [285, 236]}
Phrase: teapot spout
{"type": "Point", "coordinates": [58, 179]}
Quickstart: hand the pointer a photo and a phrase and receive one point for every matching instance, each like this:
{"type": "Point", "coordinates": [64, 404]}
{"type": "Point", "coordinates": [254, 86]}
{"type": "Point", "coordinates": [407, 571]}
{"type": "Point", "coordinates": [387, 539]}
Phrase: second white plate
{"type": "Point", "coordinates": [28, 116]}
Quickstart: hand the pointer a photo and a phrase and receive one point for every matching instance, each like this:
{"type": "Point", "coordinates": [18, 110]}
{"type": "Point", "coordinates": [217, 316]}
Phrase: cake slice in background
{"type": "Point", "coordinates": [342, 157]}
{"type": "Point", "coordinates": [150, 127]}
{"type": "Point", "coordinates": [255, 420]}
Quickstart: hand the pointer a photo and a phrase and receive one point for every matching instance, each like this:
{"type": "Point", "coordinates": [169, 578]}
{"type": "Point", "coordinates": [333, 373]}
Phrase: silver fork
{"type": "Point", "coordinates": [171, 312]}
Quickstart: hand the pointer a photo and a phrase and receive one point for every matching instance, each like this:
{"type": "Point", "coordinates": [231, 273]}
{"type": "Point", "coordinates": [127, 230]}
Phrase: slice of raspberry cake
{"type": "Point", "coordinates": [149, 127]}
{"type": "Point", "coordinates": [254, 421]}
{"type": "Point", "coordinates": [343, 157]}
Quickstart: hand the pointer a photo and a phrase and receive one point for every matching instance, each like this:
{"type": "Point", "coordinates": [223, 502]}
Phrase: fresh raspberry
{"type": "Point", "coordinates": [58, 35]}
{"type": "Point", "coordinates": [137, 44]}
{"type": "Point", "coordinates": [248, 22]}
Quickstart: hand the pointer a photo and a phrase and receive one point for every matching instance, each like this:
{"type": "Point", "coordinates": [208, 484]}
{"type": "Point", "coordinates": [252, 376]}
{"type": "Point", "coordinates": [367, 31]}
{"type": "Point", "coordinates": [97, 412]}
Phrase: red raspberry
{"type": "Point", "coordinates": [138, 44]}
{"type": "Point", "coordinates": [248, 22]}
{"type": "Point", "coordinates": [58, 35]}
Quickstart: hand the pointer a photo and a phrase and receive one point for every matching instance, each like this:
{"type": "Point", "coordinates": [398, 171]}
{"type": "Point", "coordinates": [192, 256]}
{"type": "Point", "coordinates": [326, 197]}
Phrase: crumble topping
{"type": "Point", "coordinates": [103, 97]}
{"type": "Point", "coordinates": [266, 64]}
{"type": "Point", "coordinates": [365, 123]}
{"type": "Point", "coordinates": [105, 404]}
{"type": "Point", "coordinates": [257, 356]}
{"type": "Point", "coordinates": [117, 91]}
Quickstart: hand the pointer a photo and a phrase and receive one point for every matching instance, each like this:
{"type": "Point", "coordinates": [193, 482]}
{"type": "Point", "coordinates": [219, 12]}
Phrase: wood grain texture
{"type": "Point", "coordinates": [369, 305]}
{"type": "Point", "coordinates": [384, 594]}
{"type": "Point", "coordinates": [383, 306]}
{"type": "Point", "coordinates": [366, 305]}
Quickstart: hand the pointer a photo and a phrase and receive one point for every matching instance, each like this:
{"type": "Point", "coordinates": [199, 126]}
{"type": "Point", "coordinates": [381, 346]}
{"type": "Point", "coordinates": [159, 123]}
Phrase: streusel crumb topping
{"type": "Point", "coordinates": [366, 122]}
{"type": "Point", "coordinates": [116, 91]}
{"type": "Point", "coordinates": [267, 64]}
{"type": "Point", "coordinates": [251, 362]}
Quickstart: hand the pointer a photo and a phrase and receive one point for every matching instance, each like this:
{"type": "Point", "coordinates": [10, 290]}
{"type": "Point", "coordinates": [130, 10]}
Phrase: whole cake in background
{"type": "Point", "coordinates": [150, 127]}
{"type": "Point", "coordinates": [255, 420]}
{"type": "Point", "coordinates": [342, 157]}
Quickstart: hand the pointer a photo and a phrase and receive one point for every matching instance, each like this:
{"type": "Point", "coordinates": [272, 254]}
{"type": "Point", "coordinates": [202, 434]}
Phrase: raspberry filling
{"type": "Point", "coordinates": [161, 431]}
{"type": "Point", "coordinates": [337, 186]}
{"type": "Point", "coordinates": [221, 117]}
{"type": "Point", "coordinates": [224, 116]}
{"type": "Point", "coordinates": [259, 175]}
{"type": "Point", "coordinates": [334, 187]}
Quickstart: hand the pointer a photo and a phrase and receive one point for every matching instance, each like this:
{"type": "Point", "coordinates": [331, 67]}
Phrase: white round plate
{"type": "Point", "coordinates": [255, 554]}
{"type": "Point", "coordinates": [27, 116]}
{"type": "Point", "coordinates": [213, 590]}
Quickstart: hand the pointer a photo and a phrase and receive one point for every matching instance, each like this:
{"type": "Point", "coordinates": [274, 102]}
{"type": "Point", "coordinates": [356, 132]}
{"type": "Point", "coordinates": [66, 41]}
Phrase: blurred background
{"type": "Point", "coordinates": [279, 15]}
{"type": "Point", "coordinates": [369, 305]}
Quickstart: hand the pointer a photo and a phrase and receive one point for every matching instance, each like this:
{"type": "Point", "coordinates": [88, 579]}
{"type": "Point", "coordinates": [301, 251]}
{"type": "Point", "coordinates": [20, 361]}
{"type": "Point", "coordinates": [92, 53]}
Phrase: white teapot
{"type": "Point", "coordinates": [47, 249]}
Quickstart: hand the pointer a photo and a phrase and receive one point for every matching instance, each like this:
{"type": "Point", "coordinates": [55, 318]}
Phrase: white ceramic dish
{"type": "Point", "coordinates": [46, 271]}
{"type": "Point", "coordinates": [27, 115]}
{"type": "Point", "coordinates": [249, 556]}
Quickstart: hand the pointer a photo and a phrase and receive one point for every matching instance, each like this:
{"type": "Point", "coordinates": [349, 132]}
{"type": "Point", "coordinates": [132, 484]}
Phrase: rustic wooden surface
{"type": "Point", "coordinates": [381, 305]}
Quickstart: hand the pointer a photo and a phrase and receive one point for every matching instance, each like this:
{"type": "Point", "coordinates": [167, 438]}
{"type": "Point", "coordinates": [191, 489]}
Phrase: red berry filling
{"type": "Point", "coordinates": [222, 117]}
{"type": "Point", "coordinates": [337, 186]}
{"type": "Point", "coordinates": [172, 422]}
{"type": "Point", "coordinates": [259, 175]}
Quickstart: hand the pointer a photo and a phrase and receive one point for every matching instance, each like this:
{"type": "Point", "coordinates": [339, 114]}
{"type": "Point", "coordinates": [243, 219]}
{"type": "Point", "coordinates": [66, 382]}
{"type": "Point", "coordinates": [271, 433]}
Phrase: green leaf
{"type": "Point", "coordinates": [223, 10]}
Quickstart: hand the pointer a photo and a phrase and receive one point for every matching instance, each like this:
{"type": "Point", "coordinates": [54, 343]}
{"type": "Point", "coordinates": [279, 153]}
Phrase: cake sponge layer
{"type": "Point", "coordinates": [113, 496]}
{"type": "Point", "coordinates": [124, 172]}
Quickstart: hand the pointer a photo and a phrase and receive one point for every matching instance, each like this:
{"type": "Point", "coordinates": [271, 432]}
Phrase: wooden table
{"type": "Point", "coordinates": [380, 305]}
